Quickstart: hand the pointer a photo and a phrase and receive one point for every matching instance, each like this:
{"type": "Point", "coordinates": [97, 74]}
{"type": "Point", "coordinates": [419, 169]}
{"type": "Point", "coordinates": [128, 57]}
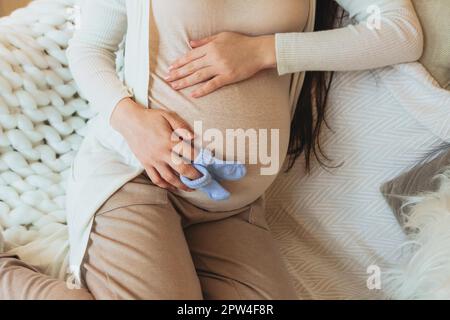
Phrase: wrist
{"type": "Point", "coordinates": [125, 111]}
{"type": "Point", "coordinates": [267, 52]}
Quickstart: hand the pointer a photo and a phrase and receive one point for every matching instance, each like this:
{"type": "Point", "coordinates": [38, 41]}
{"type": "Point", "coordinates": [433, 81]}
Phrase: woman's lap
{"type": "Point", "coordinates": [148, 244]}
{"type": "Point", "coordinates": [238, 260]}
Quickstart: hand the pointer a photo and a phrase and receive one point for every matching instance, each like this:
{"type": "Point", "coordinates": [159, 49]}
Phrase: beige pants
{"type": "Point", "coordinates": [147, 243]}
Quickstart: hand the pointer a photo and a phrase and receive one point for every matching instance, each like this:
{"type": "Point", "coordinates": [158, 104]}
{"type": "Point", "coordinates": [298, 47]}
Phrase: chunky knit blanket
{"type": "Point", "coordinates": [331, 225]}
{"type": "Point", "coordinates": [42, 121]}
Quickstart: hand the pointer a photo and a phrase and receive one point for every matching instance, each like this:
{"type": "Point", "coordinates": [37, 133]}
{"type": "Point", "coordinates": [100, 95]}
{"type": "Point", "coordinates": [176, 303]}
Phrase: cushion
{"type": "Point", "coordinates": [435, 18]}
{"type": "Point", "coordinates": [414, 182]}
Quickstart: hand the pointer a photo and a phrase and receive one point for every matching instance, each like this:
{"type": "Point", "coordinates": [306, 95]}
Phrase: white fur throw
{"type": "Point", "coordinates": [41, 120]}
{"type": "Point", "coordinates": [425, 273]}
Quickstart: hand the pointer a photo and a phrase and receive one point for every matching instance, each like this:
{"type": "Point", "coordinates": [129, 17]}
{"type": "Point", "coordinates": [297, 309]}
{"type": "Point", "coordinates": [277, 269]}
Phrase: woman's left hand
{"type": "Point", "coordinates": [220, 60]}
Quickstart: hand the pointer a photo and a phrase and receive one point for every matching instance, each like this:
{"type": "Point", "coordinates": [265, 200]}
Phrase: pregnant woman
{"type": "Point", "coordinates": [136, 231]}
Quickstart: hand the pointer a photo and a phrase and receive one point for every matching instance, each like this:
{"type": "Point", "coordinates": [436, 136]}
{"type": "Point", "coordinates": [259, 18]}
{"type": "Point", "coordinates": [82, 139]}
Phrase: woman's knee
{"type": "Point", "coordinates": [146, 261]}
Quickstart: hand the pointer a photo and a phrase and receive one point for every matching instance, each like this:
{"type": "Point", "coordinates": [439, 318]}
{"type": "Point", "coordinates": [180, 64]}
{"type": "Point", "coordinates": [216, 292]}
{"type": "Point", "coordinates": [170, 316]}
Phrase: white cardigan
{"type": "Point", "coordinates": [105, 163]}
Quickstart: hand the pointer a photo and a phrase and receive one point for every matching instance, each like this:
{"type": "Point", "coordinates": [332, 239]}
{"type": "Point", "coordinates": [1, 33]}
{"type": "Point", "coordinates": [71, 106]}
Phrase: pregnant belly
{"type": "Point", "coordinates": [248, 121]}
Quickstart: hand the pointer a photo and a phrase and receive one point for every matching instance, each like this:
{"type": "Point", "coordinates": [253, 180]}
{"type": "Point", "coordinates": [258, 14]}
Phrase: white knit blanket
{"type": "Point", "coordinates": [42, 119]}
{"type": "Point", "coordinates": [330, 225]}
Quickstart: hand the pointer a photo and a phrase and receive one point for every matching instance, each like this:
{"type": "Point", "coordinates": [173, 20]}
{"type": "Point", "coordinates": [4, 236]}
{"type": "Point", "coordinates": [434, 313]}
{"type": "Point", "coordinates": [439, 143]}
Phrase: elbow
{"type": "Point", "coordinates": [415, 47]}
{"type": "Point", "coordinates": [411, 36]}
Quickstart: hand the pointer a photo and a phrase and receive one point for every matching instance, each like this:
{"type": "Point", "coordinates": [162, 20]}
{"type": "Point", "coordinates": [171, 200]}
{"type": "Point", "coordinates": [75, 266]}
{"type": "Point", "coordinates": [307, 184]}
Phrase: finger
{"type": "Point", "coordinates": [186, 169]}
{"type": "Point", "coordinates": [184, 151]}
{"type": "Point", "coordinates": [188, 57]}
{"type": "Point", "coordinates": [209, 87]}
{"type": "Point", "coordinates": [169, 175]}
{"type": "Point", "coordinates": [180, 127]}
{"type": "Point", "coordinates": [186, 70]}
{"type": "Point", "coordinates": [201, 42]}
{"type": "Point", "coordinates": [157, 179]}
{"type": "Point", "coordinates": [200, 76]}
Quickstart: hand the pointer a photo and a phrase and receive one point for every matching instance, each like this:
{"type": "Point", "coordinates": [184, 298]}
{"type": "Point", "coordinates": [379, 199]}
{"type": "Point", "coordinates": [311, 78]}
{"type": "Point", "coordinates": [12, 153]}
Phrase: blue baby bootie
{"type": "Point", "coordinates": [221, 170]}
{"type": "Point", "coordinates": [207, 185]}
{"type": "Point", "coordinates": [214, 170]}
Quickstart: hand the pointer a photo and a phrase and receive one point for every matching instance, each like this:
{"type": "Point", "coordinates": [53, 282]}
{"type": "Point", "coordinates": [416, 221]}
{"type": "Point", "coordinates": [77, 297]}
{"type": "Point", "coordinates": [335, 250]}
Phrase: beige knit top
{"type": "Point", "coordinates": [385, 32]}
{"type": "Point", "coordinates": [259, 103]}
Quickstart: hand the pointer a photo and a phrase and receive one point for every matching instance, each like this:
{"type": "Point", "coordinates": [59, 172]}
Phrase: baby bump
{"type": "Point", "coordinates": [247, 122]}
{"type": "Point", "coordinates": [261, 148]}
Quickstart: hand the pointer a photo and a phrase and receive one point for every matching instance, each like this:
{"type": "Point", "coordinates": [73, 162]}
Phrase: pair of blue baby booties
{"type": "Point", "coordinates": [214, 171]}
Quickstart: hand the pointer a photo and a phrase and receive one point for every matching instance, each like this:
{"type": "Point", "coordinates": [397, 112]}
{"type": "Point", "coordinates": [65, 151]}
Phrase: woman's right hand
{"type": "Point", "coordinates": [150, 135]}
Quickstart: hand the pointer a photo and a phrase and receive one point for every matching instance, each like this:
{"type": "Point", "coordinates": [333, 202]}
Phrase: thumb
{"type": "Point", "coordinates": [179, 126]}
{"type": "Point", "coordinates": [201, 42]}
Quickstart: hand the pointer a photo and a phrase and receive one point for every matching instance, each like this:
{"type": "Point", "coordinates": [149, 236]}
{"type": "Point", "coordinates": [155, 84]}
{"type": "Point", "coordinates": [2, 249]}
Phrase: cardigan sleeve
{"type": "Point", "coordinates": [396, 39]}
{"type": "Point", "coordinates": [92, 54]}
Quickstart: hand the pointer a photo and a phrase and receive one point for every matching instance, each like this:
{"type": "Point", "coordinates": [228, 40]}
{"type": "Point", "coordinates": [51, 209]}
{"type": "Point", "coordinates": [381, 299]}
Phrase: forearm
{"type": "Point", "coordinates": [357, 47]}
{"type": "Point", "coordinates": [95, 74]}
{"type": "Point", "coordinates": [92, 54]}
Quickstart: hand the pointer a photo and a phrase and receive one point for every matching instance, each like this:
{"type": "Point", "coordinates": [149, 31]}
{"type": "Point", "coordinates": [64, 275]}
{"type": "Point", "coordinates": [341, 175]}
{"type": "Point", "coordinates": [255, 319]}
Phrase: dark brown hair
{"type": "Point", "coordinates": [310, 114]}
